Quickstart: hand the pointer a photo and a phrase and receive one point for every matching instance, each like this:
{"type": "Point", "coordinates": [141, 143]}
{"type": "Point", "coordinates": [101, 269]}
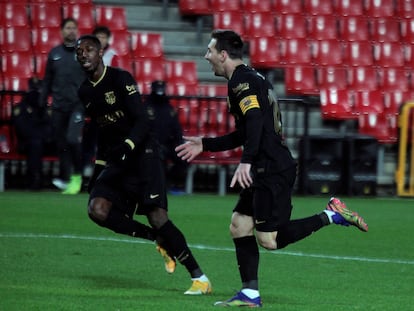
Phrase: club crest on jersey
{"type": "Point", "coordinates": [240, 88]}
{"type": "Point", "coordinates": [110, 98]}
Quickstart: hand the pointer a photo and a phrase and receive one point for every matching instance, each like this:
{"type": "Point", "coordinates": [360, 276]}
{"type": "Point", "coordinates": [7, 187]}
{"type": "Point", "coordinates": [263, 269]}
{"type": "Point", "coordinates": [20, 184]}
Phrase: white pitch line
{"type": "Point", "coordinates": [203, 247]}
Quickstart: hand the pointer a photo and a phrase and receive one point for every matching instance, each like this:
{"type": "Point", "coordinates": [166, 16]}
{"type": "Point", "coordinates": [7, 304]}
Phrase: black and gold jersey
{"type": "Point", "coordinates": [114, 104]}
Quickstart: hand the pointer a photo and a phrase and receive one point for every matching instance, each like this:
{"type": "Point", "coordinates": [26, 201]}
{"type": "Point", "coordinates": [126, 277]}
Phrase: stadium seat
{"type": "Point", "coordinates": [296, 51]}
{"type": "Point", "coordinates": [358, 53]}
{"type": "Point", "coordinates": [259, 25]}
{"type": "Point", "coordinates": [225, 6]}
{"type": "Point", "coordinates": [389, 54]}
{"type": "Point", "coordinates": [353, 28]}
{"type": "Point", "coordinates": [44, 39]}
{"type": "Point", "coordinates": [337, 104]}
{"type": "Point", "coordinates": [265, 52]}
{"type": "Point", "coordinates": [407, 30]}
{"type": "Point", "coordinates": [379, 8]}
{"type": "Point", "coordinates": [404, 9]}
{"type": "Point", "coordinates": [327, 52]}
{"type": "Point", "coordinates": [381, 126]}
{"type": "Point", "coordinates": [322, 27]}
{"type": "Point", "coordinates": [17, 64]}
{"type": "Point", "coordinates": [15, 39]}
{"type": "Point", "coordinates": [384, 30]}
{"type": "Point", "coordinates": [349, 8]}
{"type": "Point", "coordinates": [332, 77]}
{"type": "Point", "coordinates": [124, 62]}
{"type": "Point", "coordinates": [113, 17]}
{"type": "Point", "coordinates": [368, 102]}
{"type": "Point", "coordinates": [14, 15]}
{"type": "Point", "coordinates": [287, 6]}
{"type": "Point", "coordinates": [147, 45]}
{"type": "Point", "coordinates": [47, 15]}
{"type": "Point", "coordinates": [181, 71]}
{"type": "Point", "coordinates": [300, 80]}
{"type": "Point", "coordinates": [83, 13]}
{"type": "Point", "coordinates": [391, 79]}
{"type": "Point", "coordinates": [318, 7]}
{"type": "Point", "coordinates": [212, 90]}
{"type": "Point", "coordinates": [362, 78]}
{"type": "Point", "coordinates": [148, 70]}
{"type": "Point", "coordinates": [254, 6]}
{"type": "Point", "coordinates": [409, 55]}
{"type": "Point", "coordinates": [393, 100]}
{"type": "Point", "coordinates": [121, 41]}
{"type": "Point", "coordinates": [194, 7]}
{"type": "Point", "coordinates": [15, 84]}
{"type": "Point", "coordinates": [40, 60]}
{"type": "Point", "coordinates": [229, 20]}
{"type": "Point", "coordinates": [291, 26]}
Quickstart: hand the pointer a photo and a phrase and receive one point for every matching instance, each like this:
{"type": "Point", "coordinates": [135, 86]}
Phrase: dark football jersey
{"type": "Point", "coordinates": [114, 104]}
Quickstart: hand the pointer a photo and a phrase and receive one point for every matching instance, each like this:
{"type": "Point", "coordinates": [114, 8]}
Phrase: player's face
{"type": "Point", "coordinates": [215, 58]}
{"type": "Point", "coordinates": [88, 55]}
{"type": "Point", "coordinates": [70, 32]}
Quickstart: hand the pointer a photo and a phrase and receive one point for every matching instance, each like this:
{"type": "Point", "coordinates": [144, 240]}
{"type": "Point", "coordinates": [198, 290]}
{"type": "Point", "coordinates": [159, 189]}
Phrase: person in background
{"type": "Point", "coordinates": [169, 134]}
{"type": "Point", "coordinates": [62, 79]}
{"type": "Point", "coordinates": [128, 176]}
{"type": "Point", "coordinates": [104, 35]}
{"type": "Point", "coordinates": [266, 172]}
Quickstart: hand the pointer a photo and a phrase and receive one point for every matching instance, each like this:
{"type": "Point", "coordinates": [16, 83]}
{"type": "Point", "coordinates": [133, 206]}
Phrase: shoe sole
{"type": "Point", "coordinates": [351, 217]}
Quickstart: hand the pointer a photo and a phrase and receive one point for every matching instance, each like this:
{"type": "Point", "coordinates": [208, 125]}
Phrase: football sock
{"type": "Point", "coordinates": [176, 245]}
{"type": "Point", "coordinates": [247, 253]}
{"type": "Point", "coordinates": [298, 229]}
{"type": "Point", "coordinates": [251, 293]}
{"type": "Point", "coordinates": [329, 215]}
{"type": "Point", "coordinates": [121, 223]}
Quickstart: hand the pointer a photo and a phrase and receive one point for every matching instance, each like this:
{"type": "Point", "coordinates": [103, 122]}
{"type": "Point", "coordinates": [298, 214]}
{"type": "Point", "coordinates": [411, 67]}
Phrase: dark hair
{"type": "Point", "coordinates": [102, 29]}
{"type": "Point", "coordinates": [230, 41]}
{"type": "Point", "coordinates": [68, 20]}
{"type": "Point", "coordinates": [92, 38]}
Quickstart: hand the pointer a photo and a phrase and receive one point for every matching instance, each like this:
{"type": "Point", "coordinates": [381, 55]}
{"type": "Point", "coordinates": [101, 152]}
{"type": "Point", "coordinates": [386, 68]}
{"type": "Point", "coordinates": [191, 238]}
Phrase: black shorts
{"type": "Point", "coordinates": [134, 189]}
{"type": "Point", "coordinates": [268, 200]}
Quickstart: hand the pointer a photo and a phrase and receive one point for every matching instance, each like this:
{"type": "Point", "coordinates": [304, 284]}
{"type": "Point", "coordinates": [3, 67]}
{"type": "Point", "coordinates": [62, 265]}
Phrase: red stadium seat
{"type": "Point", "coordinates": [16, 39]}
{"type": "Point", "coordinates": [337, 104]}
{"type": "Point", "coordinates": [254, 6]}
{"type": "Point", "coordinates": [381, 126]}
{"type": "Point", "coordinates": [181, 71]}
{"type": "Point", "coordinates": [83, 13]}
{"type": "Point", "coordinates": [296, 51]}
{"type": "Point", "coordinates": [389, 54]}
{"type": "Point", "coordinates": [124, 62]}
{"type": "Point", "coordinates": [349, 8]}
{"type": "Point", "coordinates": [385, 30]}
{"type": "Point", "coordinates": [353, 28]}
{"type": "Point", "coordinates": [121, 41]}
{"type": "Point", "coordinates": [332, 77]}
{"type": "Point", "coordinates": [14, 15]}
{"type": "Point", "coordinates": [391, 79]}
{"type": "Point", "coordinates": [287, 6]}
{"type": "Point", "coordinates": [44, 39]}
{"type": "Point", "coordinates": [146, 71]}
{"type": "Point", "coordinates": [407, 30]}
{"type": "Point", "coordinates": [362, 78]}
{"type": "Point", "coordinates": [318, 7]}
{"type": "Point", "coordinates": [327, 52]}
{"type": "Point", "coordinates": [404, 8]}
{"type": "Point", "coordinates": [393, 100]}
{"type": "Point", "coordinates": [47, 15]}
{"type": "Point", "coordinates": [322, 27]}
{"type": "Point", "coordinates": [229, 20]}
{"type": "Point", "coordinates": [113, 17]}
{"type": "Point", "coordinates": [379, 8]}
{"type": "Point", "coordinates": [147, 45]}
{"type": "Point", "coordinates": [265, 52]}
{"type": "Point", "coordinates": [194, 7]}
{"type": "Point", "coordinates": [369, 102]}
{"type": "Point", "coordinates": [358, 53]}
{"type": "Point", "coordinates": [40, 64]}
{"type": "Point", "coordinates": [409, 55]}
{"type": "Point", "coordinates": [179, 88]}
{"type": "Point", "coordinates": [225, 6]}
{"type": "Point", "coordinates": [212, 90]}
{"type": "Point", "coordinates": [291, 26]}
{"type": "Point", "coordinates": [16, 84]}
{"type": "Point", "coordinates": [300, 80]}
{"type": "Point", "coordinates": [19, 65]}
{"type": "Point", "coordinates": [259, 25]}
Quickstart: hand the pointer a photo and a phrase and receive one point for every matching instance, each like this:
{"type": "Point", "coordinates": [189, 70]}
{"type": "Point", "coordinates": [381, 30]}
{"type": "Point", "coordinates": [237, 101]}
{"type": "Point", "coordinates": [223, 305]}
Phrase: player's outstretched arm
{"type": "Point", "coordinates": [190, 149]}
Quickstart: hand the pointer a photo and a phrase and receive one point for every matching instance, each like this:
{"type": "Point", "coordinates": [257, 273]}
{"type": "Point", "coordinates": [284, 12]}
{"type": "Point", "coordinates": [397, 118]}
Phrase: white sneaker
{"type": "Point", "coordinates": [59, 183]}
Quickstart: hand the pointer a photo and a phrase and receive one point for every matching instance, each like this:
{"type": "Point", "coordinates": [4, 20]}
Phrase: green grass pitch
{"type": "Point", "coordinates": [52, 257]}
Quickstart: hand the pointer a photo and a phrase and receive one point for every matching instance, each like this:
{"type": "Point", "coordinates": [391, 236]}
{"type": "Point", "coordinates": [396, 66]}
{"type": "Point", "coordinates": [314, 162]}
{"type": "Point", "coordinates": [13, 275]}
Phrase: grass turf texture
{"type": "Point", "coordinates": [52, 257]}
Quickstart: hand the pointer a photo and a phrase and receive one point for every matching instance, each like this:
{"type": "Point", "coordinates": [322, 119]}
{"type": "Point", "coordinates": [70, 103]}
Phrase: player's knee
{"type": "Point", "coordinates": [267, 244]}
{"type": "Point", "coordinates": [157, 217]}
{"type": "Point", "coordinates": [98, 210]}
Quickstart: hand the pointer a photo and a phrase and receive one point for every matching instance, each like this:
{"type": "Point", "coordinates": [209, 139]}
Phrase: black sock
{"type": "Point", "coordinates": [298, 229]}
{"type": "Point", "coordinates": [121, 223]}
{"type": "Point", "coordinates": [176, 245]}
{"type": "Point", "coordinates": [247, 253]}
